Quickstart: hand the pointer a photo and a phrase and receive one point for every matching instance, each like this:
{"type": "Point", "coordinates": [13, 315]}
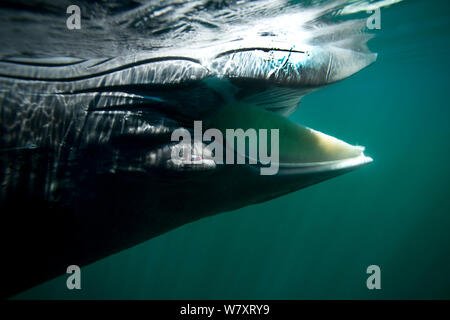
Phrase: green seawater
{"type": "Point", "coordinates": [317, 243]}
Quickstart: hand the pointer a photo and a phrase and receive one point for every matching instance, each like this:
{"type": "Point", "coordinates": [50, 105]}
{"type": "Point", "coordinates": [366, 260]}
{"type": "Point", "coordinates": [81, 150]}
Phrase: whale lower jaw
{"type": "Point", "coordinates": [342, 156]}
{"type": "Point", "coordinates": [336, 165]}
{"type": "Point", "coordinates": [298, 149]}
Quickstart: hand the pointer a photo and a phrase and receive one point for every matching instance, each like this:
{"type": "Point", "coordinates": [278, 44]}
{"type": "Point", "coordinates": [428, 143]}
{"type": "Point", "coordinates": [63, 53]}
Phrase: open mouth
{"type": "Point", "coordinates": [299, 148]}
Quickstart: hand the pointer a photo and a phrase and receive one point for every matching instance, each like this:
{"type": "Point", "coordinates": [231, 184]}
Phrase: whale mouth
{"type": "Point", "coordinates": [301, 149]}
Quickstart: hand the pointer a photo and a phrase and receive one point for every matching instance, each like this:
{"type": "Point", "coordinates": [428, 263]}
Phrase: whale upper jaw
{"type": "Point", "coordinates": [153, 93]}
{"type": "Point", "coordinates": [270, 78]}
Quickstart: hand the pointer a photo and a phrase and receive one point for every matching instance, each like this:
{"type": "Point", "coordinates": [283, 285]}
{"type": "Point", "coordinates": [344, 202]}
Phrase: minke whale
{"type": "Point", "coordinates": [85, 144]}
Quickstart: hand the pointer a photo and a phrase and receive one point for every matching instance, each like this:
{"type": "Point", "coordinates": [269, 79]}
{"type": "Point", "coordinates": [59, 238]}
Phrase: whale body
{"type": "Point", "coordinates": [85, 145]}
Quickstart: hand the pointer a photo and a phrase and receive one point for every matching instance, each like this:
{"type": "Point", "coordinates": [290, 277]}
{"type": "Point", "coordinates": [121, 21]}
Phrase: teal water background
{"type": "Point", "coordinates": [316, 243]}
